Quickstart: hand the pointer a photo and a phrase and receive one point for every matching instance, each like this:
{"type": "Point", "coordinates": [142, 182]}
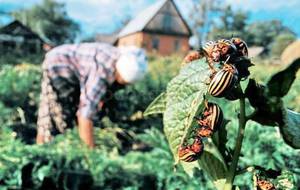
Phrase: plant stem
{"type": "Point", "coordinates": [238, 146]}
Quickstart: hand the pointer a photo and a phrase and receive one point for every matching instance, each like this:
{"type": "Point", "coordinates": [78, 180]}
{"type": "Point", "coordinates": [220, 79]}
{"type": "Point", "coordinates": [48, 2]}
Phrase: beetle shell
{"type": "Point", "coordinates": [265, 185]}
{"type": "Point", "coordinates": [204, 132]}
{"type": "Point", "coordinates": [186, 154]}
{"type": "Point", "coordinates": [212, 119]}
{"type": "Point", "coordinates": [241, 46]}
{"type": "Point", "coordinates": [192, 152]}
{"type": "Point", "coordinates": [197, 146]}
{"type": "Point", "coordinates": [223, 49]}
{"type": "Point", "coordinates": [207, 48]}
{"type": "Point", "coordinates": [223, 81]}
{"type": "Point", "coordinates": [216, 116]}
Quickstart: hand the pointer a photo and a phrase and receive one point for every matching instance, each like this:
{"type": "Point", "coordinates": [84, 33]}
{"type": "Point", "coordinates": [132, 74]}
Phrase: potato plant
{"type": "Point", "coordinates": [194, 130]}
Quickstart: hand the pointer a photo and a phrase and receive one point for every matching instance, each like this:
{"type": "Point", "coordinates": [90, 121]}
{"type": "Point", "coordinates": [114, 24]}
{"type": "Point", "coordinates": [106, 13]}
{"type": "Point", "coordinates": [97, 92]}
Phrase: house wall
{"type": "Point", "coordinates": [157, 43]}
{"type": "Point", "coordinates": [167, 44]}
{"type": "Point", "coordinates": [132, 39]}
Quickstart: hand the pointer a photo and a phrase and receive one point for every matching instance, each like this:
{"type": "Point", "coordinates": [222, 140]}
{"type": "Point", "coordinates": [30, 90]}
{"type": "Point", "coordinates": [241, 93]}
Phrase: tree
{"type": "Point", "coordinates": [281, 42]}
{"type": "Point", "coordinates": [264, 33]}
{"type": "Point", "coordinates": [50, 20]}
{"type": "Point", "coordinates": [201, 15]}
{"type": "Point", "coordinates": [229, 24]}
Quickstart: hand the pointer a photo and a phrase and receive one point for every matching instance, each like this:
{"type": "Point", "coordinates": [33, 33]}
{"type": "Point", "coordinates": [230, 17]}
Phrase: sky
{"type": "Point", "coordinates": [105, 16]}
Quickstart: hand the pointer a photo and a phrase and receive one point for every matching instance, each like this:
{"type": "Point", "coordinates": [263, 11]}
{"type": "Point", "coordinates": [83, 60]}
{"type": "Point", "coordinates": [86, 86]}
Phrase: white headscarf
{"type": "Point", "coordinates": [132, 63]}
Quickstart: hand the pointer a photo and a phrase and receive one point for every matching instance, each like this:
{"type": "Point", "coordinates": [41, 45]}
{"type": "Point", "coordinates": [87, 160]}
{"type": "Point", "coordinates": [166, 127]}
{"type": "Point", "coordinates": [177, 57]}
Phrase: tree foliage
{"type": "Point", "coordinates": [264, 33]}
{"type": "Point", "coordinates": [281, 42]}
{"type": "Point", "coordinates": [50, 20]}
{"type": "Point", "coordinates": [230, 23]}
{"type": "Point", "coordinates": [201, 15]}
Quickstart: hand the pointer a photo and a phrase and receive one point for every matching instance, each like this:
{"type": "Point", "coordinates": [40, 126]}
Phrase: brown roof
{"type": "Point", "coordinates": [16, 28]}
{"type": "Point", "coordinates": [163, 17]}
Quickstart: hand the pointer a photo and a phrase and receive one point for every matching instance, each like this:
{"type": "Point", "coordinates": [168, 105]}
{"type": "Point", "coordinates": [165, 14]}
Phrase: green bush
{"type": "Point", "coordinates": [66, 163]}
{"type": "Point", "coordinates": [19, 93]}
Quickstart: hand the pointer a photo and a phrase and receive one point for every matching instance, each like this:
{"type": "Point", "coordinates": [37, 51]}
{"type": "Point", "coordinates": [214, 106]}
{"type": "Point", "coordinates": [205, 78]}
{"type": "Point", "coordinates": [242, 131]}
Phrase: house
{"type": "Point", "coordinates": [107, 38]}
{"type": "Point", "coordinates": [15, 37]}
{"type": "Point", "coordinates": [160, 28]}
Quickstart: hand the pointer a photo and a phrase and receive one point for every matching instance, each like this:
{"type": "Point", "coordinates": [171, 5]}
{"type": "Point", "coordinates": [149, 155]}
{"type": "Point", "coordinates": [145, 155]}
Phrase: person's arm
{"type": "Point", "coordinates": [91, 93]}
{"type": "Point", "coordinates": [39, 139]}
{"type": "Point", "coordinates": [85, 128]}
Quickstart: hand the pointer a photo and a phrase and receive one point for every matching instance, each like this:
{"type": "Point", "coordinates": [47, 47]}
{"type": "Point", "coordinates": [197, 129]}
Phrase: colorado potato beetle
{"type": "Point", "coordinates": [210, 121]}
{"type": "Point", "coordinates": [223, 50]}
{"type": "Point", "coordinates": [192, 152]}
{"type": "Point", "coordinates": [263, 184]}
{"type": "Point", "coordinates": [206, 50]}
{"type": "Point", "coordinates": [197, 146]}
{"type": "Point", "coordinates": [223, 81]}
{"type": "Point", "coordinates": [241, 46]}
{"type": "Point", "coordinates": [204, 131]}
{"type": "Point", "coordinates": [186, 154]}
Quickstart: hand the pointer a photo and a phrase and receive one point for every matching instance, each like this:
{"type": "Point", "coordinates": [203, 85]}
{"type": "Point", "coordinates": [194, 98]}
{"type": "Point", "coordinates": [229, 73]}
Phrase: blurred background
{"type": "Point", "coordinates": [131, 151]}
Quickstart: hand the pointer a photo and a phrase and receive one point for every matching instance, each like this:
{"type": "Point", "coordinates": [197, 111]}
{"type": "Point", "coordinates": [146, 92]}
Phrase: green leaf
{"type": "Point", "coordinates": [285, 181]}
{"type": "Point", "coordinates": [281, 82]}
{"type": "Point", "coordinates": [157, 106]}
{"type": "Point", "coordinates": [268, 110]}
{"type": "Point", "coordinates": [43, 172]}
{"type": "Point", "coordinates": [269, 107]}
{"type": "Point", "coordinates": [213, 164]}
{"type": "Point", "coordinates": [185, 98]}
{"type": "Point", "coordinates": [290, 130]}
{"type": "Point", "coordinates": [220, 140]}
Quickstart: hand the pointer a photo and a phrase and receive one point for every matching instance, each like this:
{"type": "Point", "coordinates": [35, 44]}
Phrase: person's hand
{"type": "Point", "coordinates": [100, 105]}
{"type": "Point", "coordinates": [85, 127]}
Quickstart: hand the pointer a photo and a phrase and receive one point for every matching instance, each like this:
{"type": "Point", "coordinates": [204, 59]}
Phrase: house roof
{"type": "Point", "coordinates": [17, 28]}
{"type": "Point", "coordinates": [145, 20]}
{"type": "Point", "coordinates": [106, 38]}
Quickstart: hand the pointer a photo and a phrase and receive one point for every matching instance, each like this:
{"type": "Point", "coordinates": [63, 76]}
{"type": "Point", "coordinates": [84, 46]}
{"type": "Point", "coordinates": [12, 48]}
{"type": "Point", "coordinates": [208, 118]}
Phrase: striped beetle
{"type": "Point", "coordinates": [192, 152]}
{"type": "Point", "coordinates": [206, 51]}
{"type": "Point", "coordinates": [241, 46]}
{"type": "Point", "coordinates": [223, 50]}
{"type": "Point", "coordinates": [223, 81]}
{"type": "Point", "coordinates": [210, 121]}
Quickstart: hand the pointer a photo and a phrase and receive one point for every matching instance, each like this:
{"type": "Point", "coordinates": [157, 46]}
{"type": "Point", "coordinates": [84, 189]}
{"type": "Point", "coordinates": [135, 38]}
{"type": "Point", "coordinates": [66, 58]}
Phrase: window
{"type": "Point", "coordinates": [167, 22]}
{"type": "Point", "coordinates": [177, 45]}
{"type": "Point", "coordinates": [155, 43]}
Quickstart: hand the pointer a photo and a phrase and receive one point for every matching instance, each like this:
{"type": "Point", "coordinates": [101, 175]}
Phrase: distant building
{"type": "Point", "coordinates": [159, 28]}
{"type": "Point", "coordinates": [255, 51]}
{"type": "Point", "coordinates": [15, 37]}
{"type": "Point", "coordinates": [107, 38]}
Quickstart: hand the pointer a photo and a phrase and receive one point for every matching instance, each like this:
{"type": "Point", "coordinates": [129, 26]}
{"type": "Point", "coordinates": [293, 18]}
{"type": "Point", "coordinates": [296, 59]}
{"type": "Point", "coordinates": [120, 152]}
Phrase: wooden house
{"type": "Point", "coordinates": [159, 28]}
{"type": "Point", "coordinates": [17, 38]}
